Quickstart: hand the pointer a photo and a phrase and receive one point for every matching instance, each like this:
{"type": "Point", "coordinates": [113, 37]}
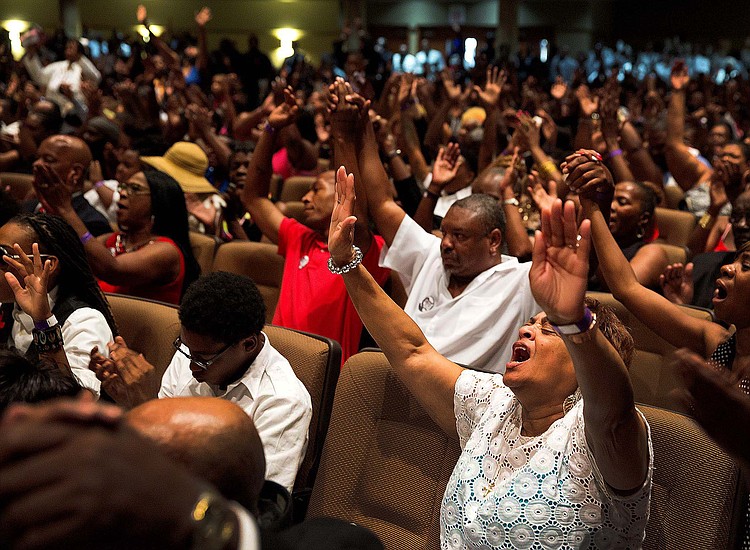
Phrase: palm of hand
{"type": "Point", "coordinates": [557, 282]}
{"type": "Point", "coordinates": [558, 90]}
{"type": "Point", "coordinates": [679, 80]}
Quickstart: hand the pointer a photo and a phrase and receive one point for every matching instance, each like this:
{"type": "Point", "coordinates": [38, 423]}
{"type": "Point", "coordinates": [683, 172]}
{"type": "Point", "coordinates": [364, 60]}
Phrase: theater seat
{"type": "Point", "coordinates": [697, 499]}
{"type": "Point", "coordinates": [204, 248]}
{"type": "Point", "coordinates": [316, 361]}
{"type": "Point", "coordinates": [260, 262]}
{"type": "Point", "coordinates": [675, 254]}
{"type": "Point", "coordinates": [296, 187]}
{"type": "Point", "coordinates": [20, 184]}
{"type": "Point", "coordinates": [653, 379]}
{"type": "Point", "coordinates": [385, 463]}
{"type": "Point", "coordinates": [148, 327]}
{"type": "Point", "coordinates": [675, 226]}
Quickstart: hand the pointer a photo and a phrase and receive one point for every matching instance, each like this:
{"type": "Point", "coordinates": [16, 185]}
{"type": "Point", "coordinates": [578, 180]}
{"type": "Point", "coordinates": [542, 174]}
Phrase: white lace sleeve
{"type": "Point", "coordinates": [473, 394]}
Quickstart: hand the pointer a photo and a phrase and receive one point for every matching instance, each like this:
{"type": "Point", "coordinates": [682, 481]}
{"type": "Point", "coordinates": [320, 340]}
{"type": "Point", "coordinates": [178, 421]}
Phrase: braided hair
{"type": "Point", "coordinates": [57, 238]}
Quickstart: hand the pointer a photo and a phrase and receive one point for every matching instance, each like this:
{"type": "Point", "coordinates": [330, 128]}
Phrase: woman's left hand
{"type": "Point", "coordinates": [341, 232]}
{"type": "Point", "coordinates": [560, 263]}
{"type": "Point", "coordinates": [32, 296]}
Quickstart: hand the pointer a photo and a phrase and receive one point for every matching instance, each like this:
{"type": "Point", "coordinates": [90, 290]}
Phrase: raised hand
{"type": "Point", "coordinates": [528, 130]}
{"type": "Point", "coordinates": [493, 87]}
{"type": "Point", "coordinates": [446, 165]}
{"type": "Point", "coordinates": [679, 78]}
{"type": "Point", "coordinates": [341, 232]}
{"type": "Point", "coordinates": [677, 283]}
{"type": "Point", "coordinates": [452, 90]}
{"type": "Point", "coordinates": [560, 263]}
{"type": "Point", "coordinates": [587, 175]}
{"type": "Point", "coordinates": [31, 297]}
{"type": "Point", "coordinates": [559, 88]}
{"type": "Point", "coordinates": [203, 16]}
{"type": "Point", "coordinates": [589, 104]}
{"type": "Point", "coordinates": [285, 113]}
{"type": "Point", "coordinates": [141, 14]}
{"type": "Point", "coordinates": [543, 198]}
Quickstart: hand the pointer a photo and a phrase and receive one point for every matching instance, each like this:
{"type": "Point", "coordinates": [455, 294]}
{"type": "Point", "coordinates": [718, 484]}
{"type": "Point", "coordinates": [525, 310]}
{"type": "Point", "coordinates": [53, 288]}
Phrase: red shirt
{"type": "Point", "coordinates": [312, 298]}
{"type": "Point", "coordinates": [169, 292]}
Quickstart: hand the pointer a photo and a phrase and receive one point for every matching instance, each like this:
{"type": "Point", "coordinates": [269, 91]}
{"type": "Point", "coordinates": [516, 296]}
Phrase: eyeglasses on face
{"type": "Point", "coordinates": [201, 363]}
{"type": "Point", "coordinates": [133, 188]}
{"type": "Point", "coordinates": [7, 250]}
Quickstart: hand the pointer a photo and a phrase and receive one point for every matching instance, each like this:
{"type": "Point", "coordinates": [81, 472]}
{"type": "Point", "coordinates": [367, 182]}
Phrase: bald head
{"type": "Point", "coordinates": [68, 156]}
{"type": "Point", "coordinates": [214, 438]}
{"type": "Point", "coordinates": [74, 148]}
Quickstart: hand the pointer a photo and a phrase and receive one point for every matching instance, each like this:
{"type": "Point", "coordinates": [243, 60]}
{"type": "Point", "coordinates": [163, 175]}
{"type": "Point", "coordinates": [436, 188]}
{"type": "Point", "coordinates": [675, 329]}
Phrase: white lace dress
{"type": "Point", "coordinates": [543, 492]}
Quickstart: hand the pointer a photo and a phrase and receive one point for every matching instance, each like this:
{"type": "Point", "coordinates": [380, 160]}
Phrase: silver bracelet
{"type": "Point", "coordinates": [348, 267]}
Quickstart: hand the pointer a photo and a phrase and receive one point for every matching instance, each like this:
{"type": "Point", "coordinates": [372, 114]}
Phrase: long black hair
{"type": "Point", "coordinates": [57, 238]}
{"type": "Point", "coordinates": [171, 218]}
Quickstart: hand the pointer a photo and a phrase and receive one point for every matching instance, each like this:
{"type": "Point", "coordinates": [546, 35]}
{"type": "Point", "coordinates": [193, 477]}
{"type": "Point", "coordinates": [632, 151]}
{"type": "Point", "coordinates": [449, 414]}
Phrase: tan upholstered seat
{"type": "Point", "coordinates": [675, 226]}
{"type": "Point", "coordinates": [204, 248]}
{"type": "Point", "coordinates": [316, 361]}
{"type": "Point", "coordinates": [295, 187]}
{"type": "Point", "coordinates": [20, 184]}
{"type": "Point", "coordinates": [293, 209]}
{"type": "Point", "coordinates": [676, 254]}
{"type": "Point", "coordinates": [697, 499]}
{"type": "Point", "coordinates": [323, 165]}
{"type": "Point", "coordinates": [653, 379]}
{"type": "Point", "coordinates": [385, 463]}
{"type": "Point", "coordinates": [148, 327]}
{"type": "Point", "coordinates": [260, 262]}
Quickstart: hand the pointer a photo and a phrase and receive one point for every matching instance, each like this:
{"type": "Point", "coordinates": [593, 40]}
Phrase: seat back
{"type": "Point", "coordinates": [296, 187]}
{"type": "Point", "coordinates": [675, 226]}
{"type": "Point", "coordinates": [385, 463]}
{"type": "Point", "coordinates": [204, 248]}
{"type": "Point", "coordinates": [675, 254]}
{"type": "Point", "coordinates": [293, 209]}
{"type": "Point", "coordinates": [653, 378]}
{"type": "Point", "coordinates": [260, 262]}
{"type": "Point", "coordinates": [20, 184]}
{"type": "Point", "coordinates": [316, 361]}
{"type": "Point", "coordinates": [148, 327]}
{"type": "Point", "coordinates": [323, 165]}
{"type": "Point", "coordinates": [697, 499]}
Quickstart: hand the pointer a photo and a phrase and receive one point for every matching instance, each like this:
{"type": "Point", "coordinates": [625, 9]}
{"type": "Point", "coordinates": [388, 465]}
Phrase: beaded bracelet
{"type": "Point", "coordinates": [333, 268]}
{"type": "Point", "coordinates": [49, 339]}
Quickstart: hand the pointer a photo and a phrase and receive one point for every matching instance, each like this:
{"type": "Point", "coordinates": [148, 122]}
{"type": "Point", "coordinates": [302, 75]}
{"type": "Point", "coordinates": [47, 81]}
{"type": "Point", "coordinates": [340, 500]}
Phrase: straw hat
{"type": "Point", "coordinates": [187, 163]}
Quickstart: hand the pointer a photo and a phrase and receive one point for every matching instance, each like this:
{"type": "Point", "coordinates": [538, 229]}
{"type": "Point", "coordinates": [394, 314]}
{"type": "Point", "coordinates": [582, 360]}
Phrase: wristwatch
{"type": "Point", "coordinates": [48, 323]}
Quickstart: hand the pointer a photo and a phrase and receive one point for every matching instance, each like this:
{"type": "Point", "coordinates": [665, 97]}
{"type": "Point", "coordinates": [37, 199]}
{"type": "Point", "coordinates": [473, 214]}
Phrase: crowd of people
{"type": "Point", "coordinates": [486, 197]}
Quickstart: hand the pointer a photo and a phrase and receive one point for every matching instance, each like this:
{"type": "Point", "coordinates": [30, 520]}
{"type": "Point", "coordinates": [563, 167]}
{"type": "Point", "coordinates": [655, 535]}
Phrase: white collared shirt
{"type": "Point", "coordinates": [478, 327]}
{"type": "Point", "coordinates": [271, 394]}
{"type": "Point", "coordinates": [85, 328]}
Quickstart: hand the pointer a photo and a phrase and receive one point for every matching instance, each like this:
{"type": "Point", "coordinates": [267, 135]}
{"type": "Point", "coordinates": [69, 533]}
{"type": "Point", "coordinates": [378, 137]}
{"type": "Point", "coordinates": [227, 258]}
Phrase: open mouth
{"type": "Point", "coordinates": [720, 292]}
{"type": "Point", "coordinates": [520, 354]}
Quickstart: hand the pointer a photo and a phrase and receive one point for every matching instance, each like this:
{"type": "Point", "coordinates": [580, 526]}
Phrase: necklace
{"type": "Point", "coordinates": [121, 248]}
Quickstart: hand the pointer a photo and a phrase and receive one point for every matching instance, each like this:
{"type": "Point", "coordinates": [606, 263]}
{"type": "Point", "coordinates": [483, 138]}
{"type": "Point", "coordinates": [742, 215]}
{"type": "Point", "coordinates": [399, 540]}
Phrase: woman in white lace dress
{"type": "Point", "coordinates": [541, 467]}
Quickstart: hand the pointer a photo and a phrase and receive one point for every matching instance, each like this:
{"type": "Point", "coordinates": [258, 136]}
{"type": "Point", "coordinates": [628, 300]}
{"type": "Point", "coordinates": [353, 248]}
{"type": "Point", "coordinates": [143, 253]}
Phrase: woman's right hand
{"type": "Point", "coordinates": [32, 296]}
{"type": "Point", "coordinates": [341, 233]}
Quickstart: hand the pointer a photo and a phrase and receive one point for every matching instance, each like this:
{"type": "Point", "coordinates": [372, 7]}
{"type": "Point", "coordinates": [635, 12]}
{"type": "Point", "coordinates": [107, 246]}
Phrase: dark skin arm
{"type": "Point", "coordinates": [255, 194]}
{"type": "Point", "coordinates": [444, 169]}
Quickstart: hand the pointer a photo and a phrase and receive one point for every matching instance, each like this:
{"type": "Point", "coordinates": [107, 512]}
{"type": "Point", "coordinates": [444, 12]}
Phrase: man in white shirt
{"type": "Point", "coordinates": [62, 79]}
{"type": "Point", "coordinates": [463, 294]}
{"type": "Point", "coordinates": [221, 352]}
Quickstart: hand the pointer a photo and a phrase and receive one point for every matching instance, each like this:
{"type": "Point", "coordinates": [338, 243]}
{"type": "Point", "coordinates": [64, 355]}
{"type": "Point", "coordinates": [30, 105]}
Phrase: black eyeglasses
{"type": "Point", "coordinates": [202, 363]}
{"type": "Point", "coordinates": [7, 250]}
{"type": "Point", "coordinates": [133, 188]}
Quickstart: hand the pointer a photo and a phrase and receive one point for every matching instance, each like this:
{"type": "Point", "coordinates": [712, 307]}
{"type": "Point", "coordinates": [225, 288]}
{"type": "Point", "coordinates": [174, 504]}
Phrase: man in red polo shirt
{"type": "Point", "coordinates": [312, 298]}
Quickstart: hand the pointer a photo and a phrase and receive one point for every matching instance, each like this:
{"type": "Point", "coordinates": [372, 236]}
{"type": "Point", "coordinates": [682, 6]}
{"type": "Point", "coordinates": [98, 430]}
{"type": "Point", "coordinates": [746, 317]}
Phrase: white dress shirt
{"type": "Point", "coordinates": [83, 329]}
{"type": "Point", "coordinates": [478, 327]}
{"type": "Point", "coordinates": [62, 72]}
{"type": "Point", "coordinates": [271, 394]}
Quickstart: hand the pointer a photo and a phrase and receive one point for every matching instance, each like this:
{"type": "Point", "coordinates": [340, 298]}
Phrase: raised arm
{"type": "Point", "coordinates": [202, 18]}
{"type": "Point", "coordinates": [686, 169]}
{"type": "Point", "coordinates": [383, 210]}
{"type": "Point", "coordinates": [652, 309]}
{"type": "Point", "coordinates": [444, 169]}
{"type": "Point", "coordinates": [615, 431]}
{"type": "Point", "coordinates": [255, 194]}
{"type": "Point", "coordinates": [490, 98]}
{"type": "Point", "coordinates": [430, 377]}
